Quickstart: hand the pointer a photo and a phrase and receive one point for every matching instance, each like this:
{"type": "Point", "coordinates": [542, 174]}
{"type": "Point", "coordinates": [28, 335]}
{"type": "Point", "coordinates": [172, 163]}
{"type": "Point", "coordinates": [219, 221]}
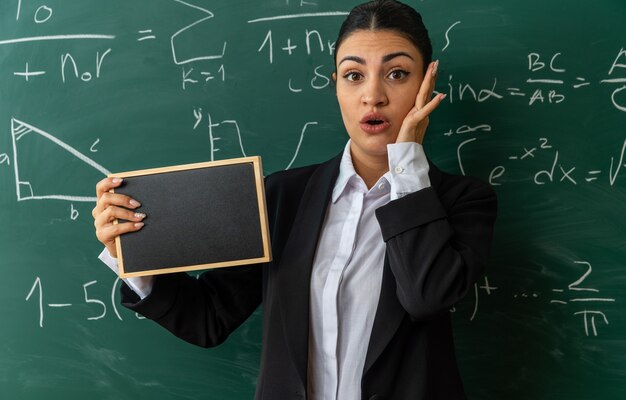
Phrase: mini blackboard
{"type": "Point", "coordinates": [199, 216]}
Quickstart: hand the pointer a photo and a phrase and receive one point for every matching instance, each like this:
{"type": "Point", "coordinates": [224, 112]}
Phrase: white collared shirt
{"type": "Point", "coordinates": [347, 271]}
{"type": "Point", "coordinates": [348, 268]}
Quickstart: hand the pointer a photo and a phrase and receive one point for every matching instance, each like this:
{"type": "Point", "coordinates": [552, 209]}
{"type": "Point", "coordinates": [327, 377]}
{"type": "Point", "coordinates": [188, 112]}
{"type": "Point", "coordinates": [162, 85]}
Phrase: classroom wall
{"type": "Point", "coordinates": [536, 106]}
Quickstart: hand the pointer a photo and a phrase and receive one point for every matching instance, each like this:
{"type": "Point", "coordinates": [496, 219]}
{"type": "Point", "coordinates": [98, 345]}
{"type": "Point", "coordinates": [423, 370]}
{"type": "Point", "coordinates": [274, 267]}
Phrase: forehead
{"type": "Point", "coordinates": [375, 44]}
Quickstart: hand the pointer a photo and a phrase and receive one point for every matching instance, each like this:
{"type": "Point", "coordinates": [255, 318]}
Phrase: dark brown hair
{"type": "Point", "coordinates": [388, 15]}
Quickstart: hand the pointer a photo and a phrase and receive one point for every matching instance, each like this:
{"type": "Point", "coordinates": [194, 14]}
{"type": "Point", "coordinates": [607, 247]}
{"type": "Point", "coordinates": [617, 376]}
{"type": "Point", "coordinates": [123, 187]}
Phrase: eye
{"type": "Point", "coordinates": [353, 76]}
{"type": "Point", "coordinates": [397, 74]}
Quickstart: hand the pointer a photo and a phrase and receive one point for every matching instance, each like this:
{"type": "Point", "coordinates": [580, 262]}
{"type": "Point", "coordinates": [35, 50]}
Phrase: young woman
{"type": "Point", "coordinates": [371, 248]}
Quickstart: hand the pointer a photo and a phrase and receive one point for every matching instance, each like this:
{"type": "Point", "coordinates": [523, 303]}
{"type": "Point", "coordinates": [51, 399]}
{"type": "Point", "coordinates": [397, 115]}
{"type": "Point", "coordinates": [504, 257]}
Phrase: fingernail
{"type": "Point", "coordinates": [140, 215]}
{"type": "Point", "coordinates": [134, 203]}
{"type": "Point", "coordinates": [139, 225]}
{"type": "Point", "coordinates": [435, 66]}
{"type": "Point", "coordinates": [443, 96]}
{"type": "Point", "coordinates": [117, 180]}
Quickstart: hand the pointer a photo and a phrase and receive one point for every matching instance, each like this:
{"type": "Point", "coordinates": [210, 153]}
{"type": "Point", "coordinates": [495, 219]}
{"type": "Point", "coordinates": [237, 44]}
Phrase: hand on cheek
{"type": "Point", "coordinates": [414, 126]}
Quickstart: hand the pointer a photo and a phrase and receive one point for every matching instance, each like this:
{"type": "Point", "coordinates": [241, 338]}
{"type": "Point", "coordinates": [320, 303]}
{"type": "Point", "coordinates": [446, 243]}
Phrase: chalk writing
{"type": "Point", "coordinates": [295, 155]}
{"type": "Point", "coordinates": [465, 91]}
{"type": "Point", "coordinates": [189, 59]}
{"type": "Point", "coordinates": [589, 315]}
{"type": "Point", "coordinates": [488, 290]}
{"type": "Point", "coordinates": [468, 129]}
{"type": "Point", "coordinates": [618, 102]}
{"type": "Point", "coordinates": [589, 307]}
{"type": "Point", "coordinates": [447, 35]}
{"type": "Point", "coordinates": [98, 308]}
{"type": "Point", "coordinates": [94, 301]}
{"type": "Point", "coordinates": [27, 73]}
{"type": "Point", "coordinates": [43, 14]}
{"type": "Point", "coordinates": [24, 189]}
{"type": "Point", "coordinates": [57, 37]}
{"type": "Point", "coordinates": [73, 212]}
{"type": "Point", "coordinates": [558, 170]}
{"type": "Point", "coordinates": [548, 77]}
{"type": "Point", "coordinates": [146, 34]}
{"type": "Point", "coordinates": [196, 76]}
{"type": "Point", "coordinates": [213, 139]}
{"type": "Point", "coordinates": [93, 146]}
{"type": "Point", "coordinates": [319, 81]}
{"type": "Point", "coordinates": [302, 15]}
{"type": "Point", "coordinates": [68, 60]}
{"type": "Point", "coordinates": [37, 284]}
{"type": "Point", "coordinates": [216, 138]}
{"type": "Point", "coordinates": [312, 41]}
{"type": "Point", "coordinates": [307, 42]}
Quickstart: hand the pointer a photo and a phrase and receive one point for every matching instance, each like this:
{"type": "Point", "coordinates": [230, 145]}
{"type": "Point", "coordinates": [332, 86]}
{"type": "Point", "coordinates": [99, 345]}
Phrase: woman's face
{"type": "Point", "coordinates": [378, 76]}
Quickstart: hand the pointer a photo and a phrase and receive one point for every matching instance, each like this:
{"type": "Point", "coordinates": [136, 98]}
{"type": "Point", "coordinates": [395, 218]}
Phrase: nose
{"type": "Point", "coordinates": [374, 93]}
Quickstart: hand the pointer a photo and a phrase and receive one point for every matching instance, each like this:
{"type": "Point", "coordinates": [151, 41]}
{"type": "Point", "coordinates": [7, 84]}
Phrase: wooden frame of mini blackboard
{"type": "Point", "coordinates": [259, 189]}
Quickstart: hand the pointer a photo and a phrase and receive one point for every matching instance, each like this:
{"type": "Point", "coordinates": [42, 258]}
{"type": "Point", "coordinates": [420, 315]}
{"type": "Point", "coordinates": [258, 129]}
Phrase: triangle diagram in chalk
{"type": "Point", "coordinates": [47, 168]}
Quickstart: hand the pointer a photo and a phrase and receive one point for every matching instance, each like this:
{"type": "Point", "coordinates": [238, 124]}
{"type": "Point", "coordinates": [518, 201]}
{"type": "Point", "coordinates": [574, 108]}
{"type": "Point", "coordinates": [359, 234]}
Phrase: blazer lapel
{"type": "Point", "coordinates": [297, 261]}
{"type": "Point", "coordinates": [390, 313]}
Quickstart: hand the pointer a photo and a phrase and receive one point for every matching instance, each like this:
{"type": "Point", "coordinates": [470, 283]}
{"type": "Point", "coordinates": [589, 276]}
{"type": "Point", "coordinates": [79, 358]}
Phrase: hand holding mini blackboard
{"type": "Point", "coordinates": [110, 207]}
{"type": "Point", "coordinates": [204, 215]}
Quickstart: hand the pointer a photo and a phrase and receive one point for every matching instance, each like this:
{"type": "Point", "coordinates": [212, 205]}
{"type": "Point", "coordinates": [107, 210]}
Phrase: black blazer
{"type": "Point", "coordinates": [437, 243]}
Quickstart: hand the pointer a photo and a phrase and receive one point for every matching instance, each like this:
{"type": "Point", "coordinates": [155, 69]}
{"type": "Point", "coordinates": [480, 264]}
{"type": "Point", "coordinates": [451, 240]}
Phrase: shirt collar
{"type": "Point", "coordinates": [348, 176]}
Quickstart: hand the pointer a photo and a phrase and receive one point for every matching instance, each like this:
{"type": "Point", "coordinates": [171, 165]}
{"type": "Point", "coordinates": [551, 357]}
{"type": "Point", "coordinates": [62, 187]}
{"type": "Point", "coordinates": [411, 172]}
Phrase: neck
{"type": "Point", "coordinates": [370, 169]}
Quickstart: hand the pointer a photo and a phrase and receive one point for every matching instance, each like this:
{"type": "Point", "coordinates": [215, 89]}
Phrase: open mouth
{"type": "Point", "coordinates": [373, 118]}
{"type": "Point", "coordinates": [374, 123]}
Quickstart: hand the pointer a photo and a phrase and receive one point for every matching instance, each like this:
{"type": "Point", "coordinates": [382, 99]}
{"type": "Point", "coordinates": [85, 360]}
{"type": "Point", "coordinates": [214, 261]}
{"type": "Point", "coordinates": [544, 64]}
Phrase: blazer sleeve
{"type": "Point", "coordinates": [438, 244]}
{"type": "Point", "coordinates": [206, 310]}
{"type": "Point", "coordinates": [202, 311]}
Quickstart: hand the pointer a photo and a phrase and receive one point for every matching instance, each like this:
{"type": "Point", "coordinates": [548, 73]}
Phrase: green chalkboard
{"type": "Point", "coordinates": [536, 106]}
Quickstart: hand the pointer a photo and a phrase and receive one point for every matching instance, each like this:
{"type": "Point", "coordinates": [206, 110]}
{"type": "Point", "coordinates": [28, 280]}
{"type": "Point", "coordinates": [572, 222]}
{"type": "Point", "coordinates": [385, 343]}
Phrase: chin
{"type": "Point", "coordinates": [372, 146]}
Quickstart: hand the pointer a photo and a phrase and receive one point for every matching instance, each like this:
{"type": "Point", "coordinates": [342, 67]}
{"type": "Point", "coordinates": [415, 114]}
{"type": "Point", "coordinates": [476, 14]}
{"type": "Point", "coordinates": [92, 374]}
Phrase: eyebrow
{"type": "Point", "coordinates": [385, 58]}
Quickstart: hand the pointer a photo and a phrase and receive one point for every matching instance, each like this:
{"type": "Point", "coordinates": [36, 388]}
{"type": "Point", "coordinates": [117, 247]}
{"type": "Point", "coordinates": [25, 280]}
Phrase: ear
{"type": "Point", "coordinates": [334, 76]}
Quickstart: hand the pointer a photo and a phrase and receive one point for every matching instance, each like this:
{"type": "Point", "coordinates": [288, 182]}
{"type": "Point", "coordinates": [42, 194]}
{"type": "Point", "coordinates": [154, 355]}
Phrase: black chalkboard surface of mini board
{"type": "Point", "coordinates": [199, 216]}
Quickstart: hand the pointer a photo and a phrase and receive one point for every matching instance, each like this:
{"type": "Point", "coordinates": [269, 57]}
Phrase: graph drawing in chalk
{"type": "Point", "coordinates": [47, 168]}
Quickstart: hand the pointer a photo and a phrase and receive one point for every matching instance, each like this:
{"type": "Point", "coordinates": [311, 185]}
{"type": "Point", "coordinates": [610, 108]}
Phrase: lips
{"type": "Point", "coordinates": [374, 123]}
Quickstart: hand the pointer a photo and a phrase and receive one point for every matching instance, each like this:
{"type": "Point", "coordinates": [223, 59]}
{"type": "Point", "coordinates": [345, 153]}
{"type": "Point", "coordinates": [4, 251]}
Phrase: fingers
{"type": "Point", "coordinates": [107, 184]}
{"type": "Point", "coordinates": [425, 111]}
{"type": "Point", "coordinates": [112, 213]}
{"type": "Point", "coordinates": [112, 206]}
{"type": "Point", "coordinates": [425, 103]}
{"type": "Point", "coordinates": [428, 85]}
{"type": "Point", "coordinates": [414, 126]}
{"type": "Point", "coordinates": [117, 199]}
{"type": "Point", "coordinates": [417, 116]}
{"type": "Point", "coordinates": [107, 199]}
{"type": "Point", "coordinates": [107, 234]}
{"type": "Point", "coordinates": [107, 231]}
